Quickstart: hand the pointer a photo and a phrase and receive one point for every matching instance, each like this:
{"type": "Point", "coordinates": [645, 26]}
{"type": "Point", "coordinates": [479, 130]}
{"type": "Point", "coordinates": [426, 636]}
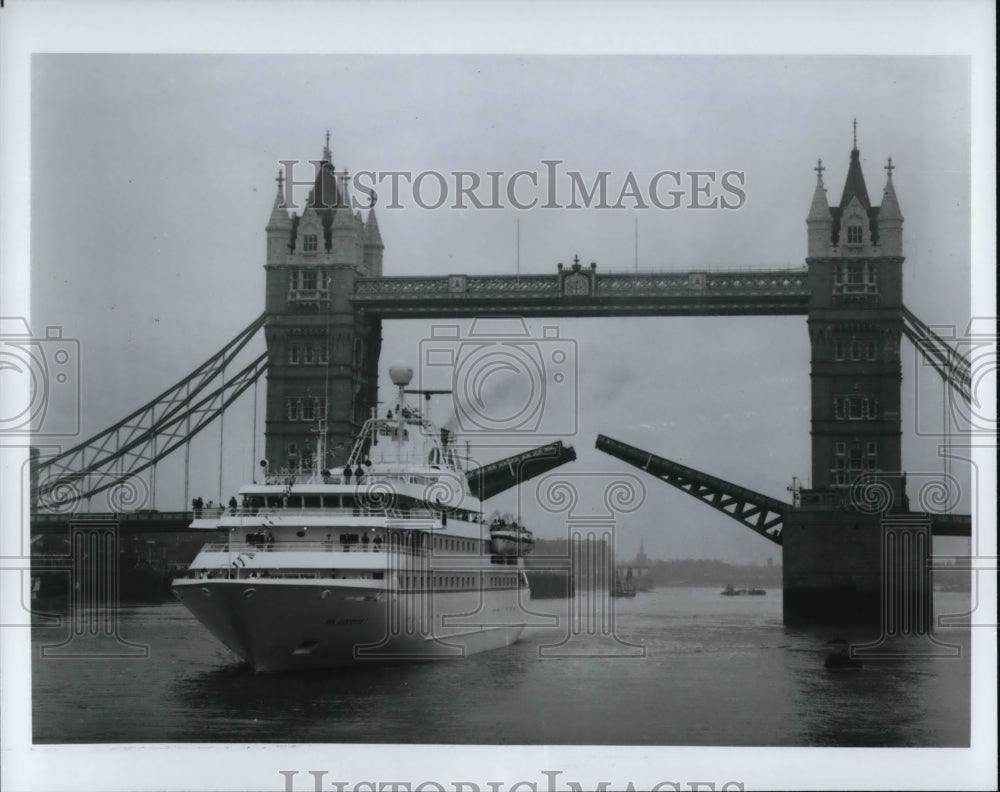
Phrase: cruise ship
{"type": "Point", "coordinates": [386, 558]}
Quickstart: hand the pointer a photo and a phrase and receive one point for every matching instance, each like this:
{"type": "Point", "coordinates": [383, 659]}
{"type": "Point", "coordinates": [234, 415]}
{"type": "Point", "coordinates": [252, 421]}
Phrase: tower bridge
{"type": "Point", "coordinates": [326, 297]}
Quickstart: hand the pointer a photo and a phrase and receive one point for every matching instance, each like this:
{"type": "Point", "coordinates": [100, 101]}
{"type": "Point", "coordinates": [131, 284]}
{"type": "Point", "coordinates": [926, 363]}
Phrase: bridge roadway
{"type": "Point", "coordinates": [585, 291]}
{"type": "Point", "coordinates": [147, 521]}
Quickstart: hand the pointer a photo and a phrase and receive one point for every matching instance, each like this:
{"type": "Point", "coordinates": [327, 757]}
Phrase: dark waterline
{"type": "Point", "coordinates": [682, 666]}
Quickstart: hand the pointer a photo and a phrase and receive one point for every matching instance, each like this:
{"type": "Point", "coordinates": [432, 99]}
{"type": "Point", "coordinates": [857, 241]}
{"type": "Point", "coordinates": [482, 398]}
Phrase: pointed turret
{"type": "Point", "coordinates": [279, 226]}
{"type": "Point", "coordinates": [854, 187]}
{"type": "Point", "coordinates": [890, 218]}
{"type": "Point", "coordinates": [820, 220]}
{"type": "Point", "coordinates": [279, 214]}
{"type": "Point", "coordinates": [346, 230]}
{"type": "Point", "coordinates": [372, 235]}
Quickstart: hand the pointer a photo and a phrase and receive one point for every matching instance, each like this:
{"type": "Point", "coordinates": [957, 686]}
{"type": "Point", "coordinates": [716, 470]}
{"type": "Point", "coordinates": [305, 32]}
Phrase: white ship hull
{"type": "Point", "coordinates": [285, 625]}
{"type": "Point", "coordinates": [385, 558]}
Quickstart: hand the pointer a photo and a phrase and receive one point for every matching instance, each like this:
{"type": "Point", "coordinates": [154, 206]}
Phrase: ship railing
{"type": "Point", "coordinates": [310, 547]}
{"type": "Point", "coordinates": [308, 477]}
{"type": "Point", "coordinates": [327, 511]}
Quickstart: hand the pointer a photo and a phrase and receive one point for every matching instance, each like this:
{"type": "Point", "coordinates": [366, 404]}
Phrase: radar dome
{"type": "Point", "coordinates": [400, 374]}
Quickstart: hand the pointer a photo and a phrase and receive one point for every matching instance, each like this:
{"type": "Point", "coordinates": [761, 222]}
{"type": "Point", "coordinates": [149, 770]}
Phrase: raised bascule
{"type": "Point", "coordinates": [853, 551]}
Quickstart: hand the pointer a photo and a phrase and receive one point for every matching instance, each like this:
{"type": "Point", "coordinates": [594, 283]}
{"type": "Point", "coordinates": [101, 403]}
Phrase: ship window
{"type": "Point", "coordinates": [309, 242]}
{"type": "Point", "coordinates": [294, 502]}
{"type": "Point", "coordinates": [312, 501]}
{"type": "Point", "coordinates": [854, 235]}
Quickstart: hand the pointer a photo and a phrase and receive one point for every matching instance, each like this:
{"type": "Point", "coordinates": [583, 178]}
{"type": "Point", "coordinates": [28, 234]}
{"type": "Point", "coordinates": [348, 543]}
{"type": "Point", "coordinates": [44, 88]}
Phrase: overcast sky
{"type": "Point", "coordinates": [153, 178]}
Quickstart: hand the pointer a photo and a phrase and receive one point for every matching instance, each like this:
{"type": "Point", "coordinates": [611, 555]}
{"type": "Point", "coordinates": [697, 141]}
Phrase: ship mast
{"type": "Point", "coordinates": [320, 459]}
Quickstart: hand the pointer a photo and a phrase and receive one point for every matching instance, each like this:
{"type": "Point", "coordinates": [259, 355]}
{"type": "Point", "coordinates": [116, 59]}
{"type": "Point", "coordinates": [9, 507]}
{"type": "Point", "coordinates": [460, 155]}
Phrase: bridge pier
{"type": "Point", "coordinates": [848, 568]}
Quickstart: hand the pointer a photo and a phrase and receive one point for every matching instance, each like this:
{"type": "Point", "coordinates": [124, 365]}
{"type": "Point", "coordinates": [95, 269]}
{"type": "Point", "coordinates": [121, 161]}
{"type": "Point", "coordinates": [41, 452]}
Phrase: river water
{"type": "Point", "coordinates": [675, 666]}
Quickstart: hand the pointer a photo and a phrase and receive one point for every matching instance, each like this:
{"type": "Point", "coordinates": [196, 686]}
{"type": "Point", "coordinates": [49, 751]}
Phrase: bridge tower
{"type": "Point", "coordinates": [835, 543]}
{"type": "Point", "coordinates": [322, 354]}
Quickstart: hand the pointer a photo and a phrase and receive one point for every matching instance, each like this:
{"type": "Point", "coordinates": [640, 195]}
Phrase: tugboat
{"type": "Point", "coordinates": [841, 660]}
{"type": "Point", "coordinates": [624, 587]}
{"type": "Point", "coordinates": [510, 539]}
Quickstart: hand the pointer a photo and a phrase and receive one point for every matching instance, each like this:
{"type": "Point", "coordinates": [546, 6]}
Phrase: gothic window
{"type": "Point", "coordinates": [855, 273]}
{"type": "Point", "coordinates": [871, 449]}
{"type": "Point", "coordinates": [307, 354]}
{"type": "Point", "coordinates": [854, 408]}
{"type": "Point", "coordinates": [855, 349]}
{"type": "Point", "coordinates": [293, 409]}
{"type": "Point", "coordinates": [308, 410]}
{"type": "Point", "coordinates": [855, 462]}
{"type": "Point", "coordinates": [840, 472]}
{"type": "Point", "coordinates": [323, 353]}
{"type": "Point", "coordinates": [293, 355]}
{"type": "Point", "coordinates": [308, 278]}
{"type": "Point", "coordinates": [309, 243]}
{"type": "Point", "coordinates": [854, 235]}
{"type": "Point", "coordinates": [869, 350]}
{"type": "Point", "coordinates": [838, 349]}
{"type": "Point", "coordinates": [293, 449]}
{"type": "Point", "coordinates": [321, 408]}
{"type": "Point", "coordinates": [841, 449]}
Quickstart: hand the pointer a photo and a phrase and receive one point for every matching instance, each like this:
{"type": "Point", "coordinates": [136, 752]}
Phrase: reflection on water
{"type": "Point", "coordinates": [712, 671]}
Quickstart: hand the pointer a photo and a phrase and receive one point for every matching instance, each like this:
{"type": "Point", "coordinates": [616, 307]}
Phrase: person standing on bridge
{"type": "Point", "coordinates": [232, 505]}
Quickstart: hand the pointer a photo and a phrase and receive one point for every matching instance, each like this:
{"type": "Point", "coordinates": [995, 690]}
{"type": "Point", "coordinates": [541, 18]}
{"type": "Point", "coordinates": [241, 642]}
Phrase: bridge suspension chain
{"type": "Point", "coordinates": [150, 433]}
{"type": "Point", "coordinates": [954, 368]}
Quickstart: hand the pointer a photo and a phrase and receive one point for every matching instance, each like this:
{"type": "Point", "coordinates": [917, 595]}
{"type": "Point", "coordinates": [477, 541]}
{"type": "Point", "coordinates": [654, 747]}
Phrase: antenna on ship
{"type": "Point", "coordinates": [320, 460]}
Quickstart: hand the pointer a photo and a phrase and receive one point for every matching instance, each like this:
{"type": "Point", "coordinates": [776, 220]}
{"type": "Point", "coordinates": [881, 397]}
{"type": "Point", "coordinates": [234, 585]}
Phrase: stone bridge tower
{"type": "Point", "coordinates": [322, 355]}
{"type": "Point", "coordinates": [853, 522]}
{"type": "Point", "coordinates": [855, 324]}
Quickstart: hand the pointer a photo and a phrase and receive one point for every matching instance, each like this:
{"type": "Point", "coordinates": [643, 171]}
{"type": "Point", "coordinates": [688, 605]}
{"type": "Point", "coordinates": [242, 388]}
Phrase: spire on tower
{"type": "Point", "coordinates": [855, 134]}
{"type": "Point", "coordinates": [279, 214]}
{"type": "Point", "coordinates": [327, 154]}
{"type": "Point", "coordinates": [372, 234]}
{"type": "Point", "coordinates": [819, 210]}
{"type": "Point", "coordinates": [854, 186]}
{"type": "Point", "coordinates": [890, 205]}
